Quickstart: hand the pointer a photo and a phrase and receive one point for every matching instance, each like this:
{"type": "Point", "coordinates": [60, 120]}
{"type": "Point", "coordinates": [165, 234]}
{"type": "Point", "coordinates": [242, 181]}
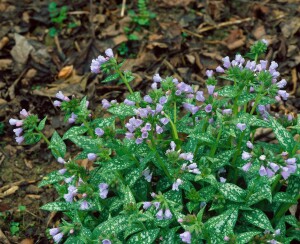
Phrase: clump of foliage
{"type": "Point", "coordinates": [176, 165]}
{"type": "Point", "coordinates": [58, 17]}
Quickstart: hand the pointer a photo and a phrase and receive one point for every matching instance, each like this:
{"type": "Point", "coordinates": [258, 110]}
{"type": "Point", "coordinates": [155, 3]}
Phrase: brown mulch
{"type": "Point", "coordinates": [184, 39]}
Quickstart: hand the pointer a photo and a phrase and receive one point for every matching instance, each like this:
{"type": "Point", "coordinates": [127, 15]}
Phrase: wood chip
{"type": "Point", "coordinates": [3, 42]}
{"type": "Point", "coordinates": [3, 238]}
{"type": "Point", "coordinates": [10, 191]}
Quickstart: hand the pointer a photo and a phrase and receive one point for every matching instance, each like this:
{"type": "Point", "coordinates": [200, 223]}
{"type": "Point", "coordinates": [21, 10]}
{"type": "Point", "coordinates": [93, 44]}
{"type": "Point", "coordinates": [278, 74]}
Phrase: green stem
{"type": "Point", "coordinates": [47, 141]}
{"type": "Point", "coordinates": [275, 183]}
{"type": "Point", "coordinates": [213, 151]}
{"type": "Point", "coordinates": [173, 126]}
{"type": "Point", "coordinates": [236, 155]}
{"type": "Point", "coordinates": [90, 130]}
{"type": "Point", "coordinates": [124, 79]}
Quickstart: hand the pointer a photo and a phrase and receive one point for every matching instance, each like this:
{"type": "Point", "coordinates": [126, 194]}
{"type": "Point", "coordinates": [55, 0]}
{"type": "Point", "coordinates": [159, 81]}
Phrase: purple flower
{"type": "Point", "coordinates": [241, 126]}
{"type": "Point", "coordinates": [160, 215]}
{"type": "Point", "coordinates": [292, 168]}
{"type": "Point", "coordinates": [281, 84]}
{"type": "Point", "coordinates": [226, 62]}
{"type": "Point", "coordinates": [156, 78]}
{"type": "Point", "coordinates": [291, 160]}
{"type": "Point", "coordinates": [103, 190]}
{"type": "Point", "coordinates": [156, 205]}
{"type": "Point", "coordinates": [54, 231]}
{"type": "Point", "coordinates": [95, 66]}
{"type": "Point", "coordinates": [24, 113]}
{"type": "Point", "coordinates": [129, 102]}
{"type": "Point", "coordinates": [164, 121]}
{"type": "Point", "coordinates": [158, 129]}
{"type": "Point", "coordinates": [73, 118]}
{"type": "Point", "coordinates": [148, 99]}
{"type": "Point", "coordinates": [274, 167]}
{"type": "Point", "coordinates": [226, 238]}
{"type": "Point", "coordinates": [105, 104]}
{"type": "Point", "coordinates": [246, 155]}
{"type": "Point", "coordinates": [175, 81]}
{"type": "Point", "coordinates": [19, 139]}
{"type": "Point", "coordinates": [61, 96]}
{"type": "Point", "coordinates": [186, 237]}
{"type": "Point", "coordinates": [142, 112]}
{"type": "Point", "coordinates": [178, 93]}
{"type": "Point", "coordinates": [57, 103]}
{"type": "Point", "coordinates": [270, 173]}
{"type": "Point", "coordinates": [273, 65]}
{"type": "Point", "coordinates": [106, 241]}
{"type": "Point", "coordinates": [72, 191]}
{"type": "Point", "coordinates": [139, 140]}
{"type": "Point", "coordinates": [251, 89]}
{"type": "Point", "coordinates": [192, 166]}
{"type": "Point", "coordinates": [265, 42]}
{"type": "Point", "coordinates": [195, 171]}
{"type": "Point", "coordinates": [283, 94]}
{"type": "Point", "coordinates": [186, 156]}
{"type": "Point", "coordinates": [199, 96]}
{"type": "Point", "coordinates": [69, 180]}
{"type": "Point", "coordinates": [163, 100]}
{"type": "Point", "coordinates": [158, 108]}
{"type": "Point", "coordinates": [84, 205]}
{"type": "Point", "coordinates": [146, 205]}
{"type": "Point", "coordinates": [263, 64]}
{"type": "Point", "coordinates": [262, 171]}
{"type": "Point", "coordinates": [62, 171]}
{"type": "Point", "coordinates": [109, 53]}
{"type": "Point", "coordinates": [290, 117]}
{"type": "Point", "coordinates": [222, 179]}
{"type": "Point", "coordinates": [227, 111]}
{"type": "Point", "coordinates": [57, 238]}
{"type": "Point", "coordinates": [154, 86]}
{"type": "Point", "coordinates": [172, 145]}
{"type": "Point", "coordinates": [208, 108]}
{"type": "Point", "coordinates": [18, 131]}
{"type": "Point", "coordinates": [191, 108]}
{"type": "Point", "coordinates": [285, 173]}
{"type": "Point", "coordinates": [176, 184]}
{"type": "Point", "coordinates": [209, 73]}
{"type": "Point", "coordinates": [246, 167]}
{"type": "Point", "coordinates": [210, 89]}
{"type": "Point", "coordinates": [16, 122]}
{"type": "Point", "coordinates": [220, 69]}
{"type": "Point", "coordinates": [92, 156]}
{"type": "Point", "coordinates": [145, 135]}
{"type": "Point", "coordinates": [147, 174]}
{"type": "Point", "coordinates": [249, 144]}
{"type": "Point", "coordinates": [99, 132]}
{"type": "Point", "coordinates": [61, 160]}
{"type": "Point", "coordinates": [168, 214]}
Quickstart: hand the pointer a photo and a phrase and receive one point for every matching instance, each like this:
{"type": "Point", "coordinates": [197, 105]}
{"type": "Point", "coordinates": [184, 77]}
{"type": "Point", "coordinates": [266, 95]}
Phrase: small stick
{"type": "Point", "coordinates": [123, 8]}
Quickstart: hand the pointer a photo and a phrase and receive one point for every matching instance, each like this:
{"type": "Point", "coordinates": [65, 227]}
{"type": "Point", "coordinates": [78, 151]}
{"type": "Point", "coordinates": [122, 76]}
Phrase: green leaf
{"type": "Point", "coordinates": [104, 122]}
{"type": "Point", "coordinates": [170, 237]}
{"type": "Point", "coordinates": [203, 137]}
{"type": "Point", "coordinates": [245, 98]}
{"type": "Point", "coordinates": [135, 97]}
{"type": "Point", "coordinates": [75, 131]}
{"type": "Point", "coordinates": [86, 234]}
{"type": "Point", "coordinates": [122, 110]}
{"type": "Point", "coordinates": [86, 143]}
{"type": "Point", "coordinates": [128, 196]}
{"type": "Point", "coordinates": [258, 218]}
{"type": "Point", "coordinates": [258, 189]}
{"type": "Point", "coordinates": [232, 192]}
{"type": "Point", "coordinates": [292, 220]}
{"type": "Point", "coordinates": [117, 163]}
{"type": "Point", "coordinates": [144, 237]}
{"type": "Point", "coordinates": [56, 206]}
{"type": "Point", "coordinates": [228, 91]}
{"type": "Point", "coordinates": [57, 145]}
{"type": "Point", "coordinates": [51, 178]}
{"type": "Point", "coordinates": [42, 123]}
{"type": "Point", "coordinates": [258, 122]}
{"type": "Point", "coordinates": [284, 197]}
{"type": "Point", "coordinates": [74, 240]}
{"type": "Point", "coordinates": [113, 225]}
{"type": "Point", "coordinates": [222, 224]}
{"type": "Point", "coordinates": [111, 78]}
{"type": "Point", "coordinates": [285, 139]}
{"type": "Point", "coordinates": [246, 236]}
{"type": "Point", "coordinates": [293, 187]}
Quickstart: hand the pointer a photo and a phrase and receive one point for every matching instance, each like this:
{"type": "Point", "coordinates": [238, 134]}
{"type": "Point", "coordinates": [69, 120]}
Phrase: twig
{"type": "Point", "coordinates": [191, 33]}
{"type": "Point", "coordinates": [61, 54]}
{"type": "Point", "coordinates": [294, 80]}
{"type": "Point", "coordinates": [224, 24]}
{"type": "Point", "coordinates": [11, 89]}
{"type": "Point", "coordinates": [91, 19]}
{"type": "Point", "coordinates": [123, 8]}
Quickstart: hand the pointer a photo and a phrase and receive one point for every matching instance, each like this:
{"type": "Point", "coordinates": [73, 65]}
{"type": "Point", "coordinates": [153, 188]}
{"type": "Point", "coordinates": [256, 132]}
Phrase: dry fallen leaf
{"type": "Point", "coordinates": [65, 72]}
{"type": "Point", "coordinates": [10, 191]}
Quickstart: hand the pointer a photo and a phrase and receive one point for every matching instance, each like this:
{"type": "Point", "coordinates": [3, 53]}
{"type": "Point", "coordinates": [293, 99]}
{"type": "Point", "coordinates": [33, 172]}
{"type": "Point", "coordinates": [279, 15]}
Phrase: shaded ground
{"type": "Point", "coordinates": [184, 39]}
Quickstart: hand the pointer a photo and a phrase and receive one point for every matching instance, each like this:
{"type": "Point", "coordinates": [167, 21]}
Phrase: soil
{"type": "Point", "coordinates": [185, 38]}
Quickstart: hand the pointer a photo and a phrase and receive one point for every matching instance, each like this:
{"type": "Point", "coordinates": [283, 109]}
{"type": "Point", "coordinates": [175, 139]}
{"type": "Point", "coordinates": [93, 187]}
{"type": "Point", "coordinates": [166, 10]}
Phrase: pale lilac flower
{"type": "Point", "coordinates": [263, 64]}
{"type": "Point", "coordinates": [176, 184]}
{"type": "Point", "coordinates": [92, 156]}
{"type": "Point", "coordinates": [147, 174]}
{"type": "Point", "coordinates": [16, 122]}
{"type": "Point", "coordinates": [19, 139]}
{"type": "Point", "coordinates": [227, 111]}
{"type": "Point", "coordinates": [209, 73]}
{"type": "Point", "coordinates": [154, 86]}
{"type": "Point", "coordinates": [160, 215]}
{"type": "Point", "coordinates": [158, 108]}
{"type": "Point", "coordinates": [164, 121]}
{"type": "Point", "coordinates": [139, 140]}
{"type": "Point", "coordinates": [274, 166]}
{"type": "Point", "coordinates": [284, 154]}
{"type": "Point", "coordinates": [183, 167]}
{"type": "Point", "coordinates": [57, 238]}
{"type": "Point", "coordinates": [262, 171]}
{"type": "Point", "coordinates": [210, 89]}
{"type": "Point", "coordinates": [246, 155]}
{"type": "Point", "coordinates": [178, 93]}
{"type": "Point", "coordinates": [84, 205]}
{"type": "Point", "coordinates": [281, 84]}
{"type": "Point", "coordinates": [163, 100]}
{"type": "Point", "coordinates": [148, 99]}
{"type": "Point", "coordinates": [262, 157]}
{"type": "Point", "coordinates": [172, 145]}
{"type": "Point", "coordinates": [220, 69]}
{"type": "Point", "coordinates": [208, 108]}
{"type": "Point", "coordinates": [290, 117]}
{"type": "Point", "coordinates": [145, 135]}
{"type": "Point", "coordinates": [283, 94]}
{"type": "Point", "coordinates": [156, 78]}
{"type": "Point", "coordinates": [103, 190]}
{"type": "Point", "coordinates": [99, 132]}
{"type": "Point", "coordinates": [24, 113]}
{"type": "Point", "coordinates": [180, 220]}
{"type": "Point", "coordinates": [250, 65]}
{"type": "Point", "coordinates": [158, 129]}
{"type": "Point", "coordinates": [249, 144]}
{"type": "Point", "coordinates": [226, 238]}
{"type": "Point", "coordinates": [285, 173]}
{"type": "Point", "coordinates": [146, 205]}
{"type": "Point", "coordinates": [62, 171]}
{"type": "Point", "coordinates": [175, 81]}
{"type": "Point", "coordinates": [270, 173]}
{"type": "Point", "coordinates": [129, 102]}
{"type": "Point", "coordinates": [265, 41]}
{"type": "Point", "coordinates": [168, 214]}
{"type": "Point", "coordinates": [251, 89]}
{"type": "Point", "coordinates": [106, 241]}
{"type": "Point", "coordinates": [199, 96]}
{"type": "Point", "coordinates": [54, 231]}
{"type": "Point", "coordinates": [72, 191]}
{"type": "Point", "coordinates": [241, 126]}
{"type": "Point", "coordinates": [226, 62]}
{"type": "Point", "coordinates": [186, 156]}
{"type": "Point", "coordinates": [18, 131]}
{"type": "Point", "coordinates": [186, 237]}
{"type": "Point", "coordinates": [95, 66]}
{"type": "Point", "coordinates": [292, 168]}
{"type": "Point", "coordinates": [291, 160]}
{"type": "Point", "coordinates": [222, 179]}
{"type": "Point", "coordinates": [69, 179]}
{"type": "Point", "coordinates": [73, 118]}
{"type": "Point", "coordinates": [156, 205]}
{"type": "Point", "coordinates": [192, 166]}
{"type": "Point", "coordinates": [195, 171]}
{"type": "Point", "coordinates": [57, 103]}
{"type": "Point", "coordinates": [61, 96]}
{"type": "Point", "coordinates": [277, 232]}
{"type": "Point", "coordinates": [109, 53]}
{"type": "Point", "coordinates": [105, 103]}
{"type": "Point", "coordinates": [273, 65]}
{"type": "Point", "coordinates": [61, 160]}
{"type": "Point", "coordinates": [246, 167]}
{"type": "Point", "coordinates": [71, 231]}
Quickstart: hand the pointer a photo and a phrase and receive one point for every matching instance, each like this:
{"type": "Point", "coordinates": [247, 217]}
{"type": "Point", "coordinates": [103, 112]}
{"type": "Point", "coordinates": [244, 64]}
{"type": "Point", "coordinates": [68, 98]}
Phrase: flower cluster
{"type": "Point", "coordinates": [18, 123]}
{"type": "Point", "coordinates": [96, 63]}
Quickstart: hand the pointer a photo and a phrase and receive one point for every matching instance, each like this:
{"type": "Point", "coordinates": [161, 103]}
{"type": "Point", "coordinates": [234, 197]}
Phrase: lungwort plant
{"type": "Point", "coordinates": [176, 165]}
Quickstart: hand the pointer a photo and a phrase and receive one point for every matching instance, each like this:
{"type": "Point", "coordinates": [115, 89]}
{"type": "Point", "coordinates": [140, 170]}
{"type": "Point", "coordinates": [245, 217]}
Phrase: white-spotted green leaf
{"type": "Point", "coordinates": [284, 138]}
{"type": "Point", "coordinates": [128, 196]}
{"type": "Point", "coordinates": [228, 91]}
{"type": "Point", "coordinates": [74, 240]}
{"type": "Point", "coordinates": [135, 97]}
{"type": "Point", "coordinates": [131, 230]}
{"type": "Point", "coordinates": [261, 192]}
{"type": "Point", "coordinates": [254, 121]}
{"type": "Point", "coordinates": [104, 122]}
{"type": "Point", "coordinates": [57, 145]}
{"type": "Point", "coordinates": [170, 237]}
{"type": "Point", "coordinates": [51, 178]}
{"type": "Point", "coordinates": [56, 206]}
{"type": "Point", "coordinates": [42, 124]}
{"type": "Point", "coordinates": [232, 192]}
{"type": "Point", "coordinates": [203, 138]}
{"type": "Point", "coordinates": [86, 143]}
{"type": "Point", "coordinates": [122, 110]}
{"type": "Point", "coordinates": [75, 131]}
{"type": "Point", "coordinates": [246, 237]}
{"type": "Point", "coordinates": [293, 187]}
{"type": "Point", "coordinates": [113, 225]}
{"type": "Point", "coordinates": [258, 218]}
{"type": "Point", "coordinates": [245, 98]}
{"type": "Point", "coordinates": [111, 78]}
{"type": "Point", "coordinates": [118, 163]}
{"type": "Point", "coordinates": [222, 224]}
{"type": "Point", "coordinates": [86, 235]}
{"type": "Point", "coordinates": [144, 237]}
{"type": "Point", "coordinates": [292, 220]}
{"type": "Point", "coordinates": [284, 197]}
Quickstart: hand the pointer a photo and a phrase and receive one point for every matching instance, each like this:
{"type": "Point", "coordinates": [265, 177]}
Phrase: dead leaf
{"type": "Point", "coordinates": [28, 76]}
{"type": "Point", "coordinates": [174, 3]}
{"type": "Point", "coordinates": [259, 32]}
{"type": "Point", "coordinates": [99, 18]}
{"type": "Point", "coordinates": [28, 163]}
{"type": "Point", "coordinates": [119, 39]}
{"type": "Point", "coordinates": [27, 241]}
{"type": "Point", "coordinates": [235, 39]}
{"type": "Point", "coordinates": [10, 191]}
{"type": "Point", "coordinates": [3, 42]}
{"type": "Point", "coordinates": [290, 27]}
{"type": "Point", "coordinates": [5, 64]}
{"type": "Point", "coordinates": [65, 72]}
